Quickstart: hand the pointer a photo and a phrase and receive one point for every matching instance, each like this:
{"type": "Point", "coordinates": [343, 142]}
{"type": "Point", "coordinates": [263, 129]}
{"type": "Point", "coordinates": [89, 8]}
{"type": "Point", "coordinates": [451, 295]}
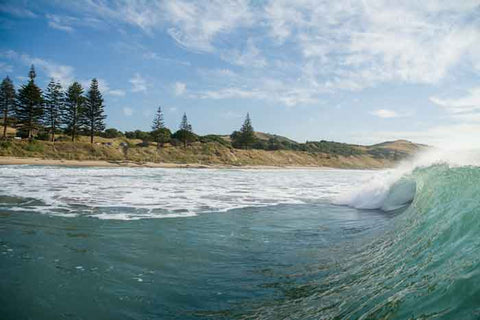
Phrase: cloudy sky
{"type": "Point", "coordinates": [352, 71]}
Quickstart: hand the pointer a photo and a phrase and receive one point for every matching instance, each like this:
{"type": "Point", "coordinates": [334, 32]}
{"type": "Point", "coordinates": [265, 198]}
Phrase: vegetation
{"type": "Point", "coordinates": [158, 122]}
{"type": "Point", "coordinates": [73, 109]}
{"type": "Point", "coordinates": [7, 102]}
{"type": "Point", "coordinates": [29, 110]}
{"type": "Point", "coordinates": [185, 133]}
{"type": "Point", "coordinates": [54, 104]}
{"type": "Point", "coordinates": [51, 119]}
{"type": "Point", "coordinates": [93, 115]}
{"type": "Point", "coordinates": [244, 138]}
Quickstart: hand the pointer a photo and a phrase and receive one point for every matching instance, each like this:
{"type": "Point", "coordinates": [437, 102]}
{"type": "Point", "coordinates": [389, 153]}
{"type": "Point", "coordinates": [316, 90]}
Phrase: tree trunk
{"type": "Point", "coordinates": [53, 131]}
{"type": "Point", "coordinates": [5, 122]}
{"type": "Point", "coordinates": [91, 132]}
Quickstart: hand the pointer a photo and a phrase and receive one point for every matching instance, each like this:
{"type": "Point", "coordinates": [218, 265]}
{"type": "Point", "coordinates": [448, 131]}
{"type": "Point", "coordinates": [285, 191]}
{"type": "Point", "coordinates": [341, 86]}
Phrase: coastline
{"type": "Point", "coordinates": [132, 164]}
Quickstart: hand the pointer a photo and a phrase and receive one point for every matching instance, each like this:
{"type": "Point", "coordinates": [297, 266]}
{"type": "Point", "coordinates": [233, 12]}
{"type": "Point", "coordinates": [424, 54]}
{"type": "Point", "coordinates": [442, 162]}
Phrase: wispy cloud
{"type": "Point", "coordinates": [116, 92]}
{"type": "Point", "coordinates": [249, 57]}
{"type": "Point", "coordinates": [104, 87]}
{"type": "Point", "coordinates": [60, 23]}
{"type": "Point", "coordinates": [385, 113]}
{"type": "Point", "coordinates": [179, 88]}
{"type": "Point", "coordinates": [61, 73]}
{"type": "Point", "coordinates": [195, 25]}
{"type": "Point", "coordinates": [139, 84]}
{"type": "Point", "coordinates": [127, 111]}
{"type": "Point", "coordinates": [5, 67]}
{"type": "Point", "coordinates": [464, 104]}
{"type": "Point", "coordinates": [310, 46]}
{"type": "Point", "coordinates": [16, 10]}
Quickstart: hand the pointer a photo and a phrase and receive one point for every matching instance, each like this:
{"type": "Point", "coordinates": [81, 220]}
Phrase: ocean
{"type": "Point", "coordinates": [144, 243]}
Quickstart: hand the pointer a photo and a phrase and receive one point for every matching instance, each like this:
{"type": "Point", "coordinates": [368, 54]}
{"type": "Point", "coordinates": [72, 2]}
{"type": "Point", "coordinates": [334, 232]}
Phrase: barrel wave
{"type": "Point", "coordinates": [427, 266]}
{"type": "Point", "coordinates": [132, 243]}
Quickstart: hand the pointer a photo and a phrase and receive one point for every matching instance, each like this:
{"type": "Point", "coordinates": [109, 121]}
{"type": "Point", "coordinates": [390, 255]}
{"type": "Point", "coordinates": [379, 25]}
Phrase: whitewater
{"type": "Point", "coordinates": [243, 244]}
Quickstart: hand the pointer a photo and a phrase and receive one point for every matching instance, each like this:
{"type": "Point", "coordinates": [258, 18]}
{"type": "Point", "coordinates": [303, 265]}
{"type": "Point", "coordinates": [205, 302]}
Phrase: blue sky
{"type": "Point", "coordinates": [351, 71]}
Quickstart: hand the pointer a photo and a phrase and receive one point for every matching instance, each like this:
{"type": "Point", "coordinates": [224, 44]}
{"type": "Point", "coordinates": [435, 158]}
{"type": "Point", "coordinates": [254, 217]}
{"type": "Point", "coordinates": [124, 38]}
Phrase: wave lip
{"type": "Point", "coordinates": [393, 189]}
{"type": "Point", "coordinates": [382, 192]}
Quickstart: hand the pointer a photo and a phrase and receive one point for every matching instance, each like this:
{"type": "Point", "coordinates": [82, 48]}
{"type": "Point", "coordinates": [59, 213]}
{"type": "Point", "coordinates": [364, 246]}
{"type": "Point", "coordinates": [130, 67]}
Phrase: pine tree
{"type": "Point", "coordinates": [158, 122]}
{"type": "Point", "coordinates": [93, 117]}
{"type": "Point", "coordinates": [185, 125]}
{"type": "Point", "coordinates": [29, 109]}
{"type": "Point", "coordinates": [7, 102]}
{"type": "Point", "coordinates": [54, 105]}
{"type": "Point", "coordinates": [246, 136]}
{"type": "Point", "coordinates": [185, 134]}
{"type": "Point", "coordinates": [74, 104]}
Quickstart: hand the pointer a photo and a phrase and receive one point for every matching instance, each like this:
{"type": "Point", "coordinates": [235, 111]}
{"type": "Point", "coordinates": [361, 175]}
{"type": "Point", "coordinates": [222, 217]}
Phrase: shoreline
{"type": "Point", "coordinates": [5, 161]}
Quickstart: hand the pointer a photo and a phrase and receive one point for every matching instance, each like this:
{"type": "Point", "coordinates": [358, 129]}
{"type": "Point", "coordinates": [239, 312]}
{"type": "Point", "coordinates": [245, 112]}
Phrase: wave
{"type": "Point", "coordinates": [393, 189]}
{"type": "Point", "coordinates": [426, 265]}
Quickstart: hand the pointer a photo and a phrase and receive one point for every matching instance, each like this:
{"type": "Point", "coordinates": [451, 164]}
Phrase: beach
{"type": "Point", "coordinates": [132, 164]}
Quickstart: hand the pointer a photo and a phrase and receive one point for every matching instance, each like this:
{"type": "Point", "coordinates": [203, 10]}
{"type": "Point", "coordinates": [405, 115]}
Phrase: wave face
{"type": "Point", "coordinates": [427, 266]}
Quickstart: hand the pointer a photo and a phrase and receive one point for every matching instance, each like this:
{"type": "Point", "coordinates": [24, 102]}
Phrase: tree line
{"type": "Point", "coordinates": [36, 113]}
{"type": "Point", "coordinates": [32, 110]}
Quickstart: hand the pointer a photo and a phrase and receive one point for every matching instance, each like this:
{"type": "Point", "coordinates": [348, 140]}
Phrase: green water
{"type": "Point", "coordinates": [285, 261]}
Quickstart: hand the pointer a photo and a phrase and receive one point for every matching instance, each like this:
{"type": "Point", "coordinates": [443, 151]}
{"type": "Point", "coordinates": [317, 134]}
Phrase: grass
{"type": "Point", "coordinates": [210, 150]}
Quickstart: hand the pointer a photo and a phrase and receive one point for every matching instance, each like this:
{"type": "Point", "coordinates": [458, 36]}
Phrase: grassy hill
{"type": "Point", "coordinates": [217, 150]}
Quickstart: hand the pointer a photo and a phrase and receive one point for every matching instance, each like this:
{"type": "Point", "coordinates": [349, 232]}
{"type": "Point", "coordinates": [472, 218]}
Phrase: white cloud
{"type": "Point", "coordinates": [61, 73]}
{"type": "Point", "coordinates": [138, 83]}
{"type": "Point", "coordinates": [356, 44]}
{"type": "Point", "coordinates": [16, 11]}
{"type": "Point", "coordinates": [117, 93]}
{"type": "Point", "coordinates": [5, 67]}
{"type": "Point", "coordinates": [385, 113]}
{"type": "Point", "coordinates": [127, 111]}
{"type": "Point", "coordinates": [180, 88]}
{"type": "Point", "coordinates": [104, 87]}
{"type": "Point", "coordinates": [312, 46]}
{"type": "Point", "coordinates": [60, 23]}
{"type": "Point", "coordinates": [195, 25]}
{"type": "Point", "coordinates": [249, 57]}
{"type": "Point", "coordinates": [465, 104]}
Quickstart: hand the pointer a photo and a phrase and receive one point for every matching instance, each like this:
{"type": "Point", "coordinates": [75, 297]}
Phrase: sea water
{"type": "Point", "coordinates": [142, 243]}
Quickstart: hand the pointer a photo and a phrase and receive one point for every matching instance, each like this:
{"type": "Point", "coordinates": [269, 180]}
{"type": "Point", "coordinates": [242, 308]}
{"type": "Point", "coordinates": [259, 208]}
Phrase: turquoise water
{"type": "Point", "coordinates": [238, 245]}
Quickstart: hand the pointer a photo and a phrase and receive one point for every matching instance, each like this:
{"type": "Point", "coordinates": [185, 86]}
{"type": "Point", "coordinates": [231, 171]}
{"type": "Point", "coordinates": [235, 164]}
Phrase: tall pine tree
{"type": "Point", "coordinates": [74, 104]}
{"type": "Point", "coordinates": [185, 125]}
{"type": "Point", "coordinates": [246, 136]}
{"type": "Point", "coordinates": [158, 122]}
{"type": "Point", "coordinates": [54, 105]}
{"type": "Point", "coordinates": [93, 117]}
{"type": "Point", "coordinates": [7, 102]}
{"type": "Point", "coordinates": [185, 134]}
{"type": "Point", "coordinates": [29, 109]}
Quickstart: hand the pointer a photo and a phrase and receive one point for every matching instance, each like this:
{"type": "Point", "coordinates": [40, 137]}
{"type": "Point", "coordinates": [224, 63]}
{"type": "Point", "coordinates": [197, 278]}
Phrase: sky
{"type": "Point", "coordinates": [350, 71]}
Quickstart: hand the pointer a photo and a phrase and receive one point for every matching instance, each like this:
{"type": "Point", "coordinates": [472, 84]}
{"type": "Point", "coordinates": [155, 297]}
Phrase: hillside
{"type": "Point", "coordinates": [216, 150]}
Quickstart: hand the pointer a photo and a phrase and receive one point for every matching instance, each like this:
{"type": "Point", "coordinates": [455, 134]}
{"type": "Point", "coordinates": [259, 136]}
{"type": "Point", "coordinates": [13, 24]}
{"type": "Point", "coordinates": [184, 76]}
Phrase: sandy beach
{"type": "Point", "coordinates": [131, 164]}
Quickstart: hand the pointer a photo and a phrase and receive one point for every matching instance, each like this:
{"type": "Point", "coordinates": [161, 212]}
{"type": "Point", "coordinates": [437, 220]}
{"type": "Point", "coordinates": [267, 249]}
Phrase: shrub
{"type": "Point", "coordinates": [5, 144]}
{"type": "Point", "coordinates": [161, 136]}
{"type": "Point", "coordinates": [34, 146]}
{"type": "Point", "coordinates": [43, 136]}
{"type": "Point", "coordinates": [143, 144]}
{"type": "Point", "coordinates": [112, 133]}
{"type": "Point", "coordinates": [185, 136]}
{"type": "Point", "coordinates": [215, 138]}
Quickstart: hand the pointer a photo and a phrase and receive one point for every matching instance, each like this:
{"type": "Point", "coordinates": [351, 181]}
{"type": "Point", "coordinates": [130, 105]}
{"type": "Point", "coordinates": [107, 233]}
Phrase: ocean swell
{"type": "Point", "coordinates": [427, 266]}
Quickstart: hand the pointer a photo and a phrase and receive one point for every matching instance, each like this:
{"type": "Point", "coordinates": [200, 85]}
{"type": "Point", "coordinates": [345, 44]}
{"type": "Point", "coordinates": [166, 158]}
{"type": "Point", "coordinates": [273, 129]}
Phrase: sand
{"type": "Point", "coordinates": [102, 163]}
